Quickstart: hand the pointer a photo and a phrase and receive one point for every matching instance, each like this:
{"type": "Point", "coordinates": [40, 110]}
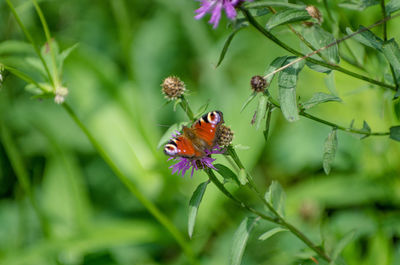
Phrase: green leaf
{"type": "Point", "coordinates": [368, 38]}
{"type": "Point", "coordinates": [396, 108]}
{"type": "Point", "coordinates": [194, 205]}
{"type": "Point", "coordinates": [201, 110]}
{"type": "Point", "coordinates": [228, 42]}
{"type": "Point", "coordinates": [341, 245]}
{"type": "Point", "coordinates": [15, 47]}
{"type": "Point", "coordinates": [64, 55]}
{"type": "Point", "coordinates": [330, 83]}
{"type": "Point", "coordinates": [330, 147]}
{"type": "Point", "coordinates": [226, 173]}
{"type": "Point", "coordinates": [276, 63]}
{"type": "Point", "coordinates": [268, 121]}
{"type": "Point", "coordinates": [287, 82]}
{"type": "Point", "coordinates": [176, 127]}
{"type": "Point", "coordinates": [272, 232]}
{"type": "Point", "coordinates": [276, 196]}
{"type": "Point", "coordinates": [366, 127]}
{"type": "Point", "coordinates": [252, 96]}
{"type": "Point", "coordinates": [392, 6]}
{"type": "Point", "coordinates": [287, 16]}
{"type": "Point", "coordinates": [395, 133]}
{"type": "Point", "coordinates": [242, 177]}
{"type": "Point", "coordinates": [358, 4]}
{"type": "Point", "coordinates": [319, 98]}
{"type": "Point", "coordinates": [262, 108]}
{"type": "Point", "coordinates": [240, 240]}
{"type": "Point", "coordinates": [319, 38]}
{"type": "Point", "coordinates": [391, 51]}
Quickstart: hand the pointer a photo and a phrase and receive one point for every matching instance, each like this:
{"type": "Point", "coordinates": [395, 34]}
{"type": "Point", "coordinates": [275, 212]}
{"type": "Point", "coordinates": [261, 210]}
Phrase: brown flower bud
{"type": "Point", "coordinates": [314, 13]}
{"type": "Point", "coordinates": [173, 88]}
{"type": "Point", "coordinates": [225, 136]}
{"type": "Point", "coordinates": [258, 83]}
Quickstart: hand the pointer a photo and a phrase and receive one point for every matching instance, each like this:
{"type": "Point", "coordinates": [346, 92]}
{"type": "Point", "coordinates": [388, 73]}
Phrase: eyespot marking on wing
{"type": "Point", "coordinates": [171, 149]}
{"type": "Point", "coordinates": [213, 117]}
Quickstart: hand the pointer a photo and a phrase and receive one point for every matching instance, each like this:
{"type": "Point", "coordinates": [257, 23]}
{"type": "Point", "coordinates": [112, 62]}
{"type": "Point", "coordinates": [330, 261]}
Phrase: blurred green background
{"type": "Point", "coordinates": [126, 48]}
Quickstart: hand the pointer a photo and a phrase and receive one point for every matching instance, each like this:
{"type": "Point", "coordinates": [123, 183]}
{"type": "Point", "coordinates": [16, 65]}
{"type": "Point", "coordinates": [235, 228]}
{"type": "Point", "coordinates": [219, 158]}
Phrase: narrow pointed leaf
{"type": "Point", "coordinates": [276, 63]}
{"type": "Point", "coordinates": [287, 16]}
{"type": "Point", "coordinates": [201, 110]}
{"type": "Point", "coordinates": [330, 147]}
{"type": "Point", "coordinates": [276, 196]}
{"type": "Point", "coordinates": [194, 205]}
{"type": "Point", "coordinates": [358, 4]}
{"type": "Point", "coordinates": [262, 108]}
{"type": "Point", "coordinates": [240, 240]}
{"type": "Point", "coordinates": [242, 177]}
{"type": "Point", "coordinates": [341, 245]}
{"type": "Point", "coordinates": [168, 134]}
{"type": "Point", "coordinates": [227, 174]}
{"type": "Point", "coordinates": [392, 6]}
{"type": "Point", "coordinates": [271, 232]}
{"type": "Point", "coordinates": [395, 133]}
{"type": "Point", "coordinates": [330, 83]}
{"type": "Point", "coordinates": [267, 122]}
{"type": "Point", "coordinates": [392, 53]}
{"type": "Point", "coordinates": [287, 82]}
{"type": "Point", "coordinates": [252, 96]}
{"type": "Point", "coordinates": [366, 127]}
{"type": "Point", "coordinates": [319, 98]}
{"type": "Point", "coordinates": [368, 38]}
{"type": "Point", "coordinates": [318, 38]}
{"type": "Point", "coordinates": [228, 43]}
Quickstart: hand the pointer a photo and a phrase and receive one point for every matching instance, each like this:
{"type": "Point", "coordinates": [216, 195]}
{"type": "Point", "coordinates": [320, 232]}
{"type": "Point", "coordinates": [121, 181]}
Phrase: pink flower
{"type": "Point", "coordinates": [215, 7]}
{"type": "Point", "coordinates": [199, 163]}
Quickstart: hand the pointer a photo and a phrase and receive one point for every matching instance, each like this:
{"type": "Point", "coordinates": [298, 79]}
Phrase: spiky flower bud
{"type": "Point", "coordinates": [225, 136]}
{"type": "Point", "coordinates": [314, 13]}
{"type": "Point", "coordinates": [258, 83]}
{"type": "Point", "coordinates": [61, 93]}
{"type": "Point", "coordinates": [173, 88]}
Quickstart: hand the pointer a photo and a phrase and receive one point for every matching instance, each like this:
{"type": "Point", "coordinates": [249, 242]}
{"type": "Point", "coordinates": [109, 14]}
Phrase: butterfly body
{"type": "Point", "coordinates": [195, 141]}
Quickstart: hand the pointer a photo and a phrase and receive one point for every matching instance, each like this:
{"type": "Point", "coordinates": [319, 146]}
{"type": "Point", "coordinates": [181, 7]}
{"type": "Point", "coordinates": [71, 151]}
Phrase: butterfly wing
{"type": "Point", "coordinates": [207, 126]}
{"type": "Point", "coordinates": [181, 146]}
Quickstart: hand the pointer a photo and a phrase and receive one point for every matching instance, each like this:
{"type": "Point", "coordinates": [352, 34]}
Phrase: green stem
{"type": "Point", "coordinates": [222, 188]}
{"type": "Point", "coordinates": [270, 36]}
{"type": "Point", "coordinates": [21, 172]}
{"type": "Point", "coordinates": [152, 208]}
{"type": "Point", "coordinates": [279, 219]}
{"type": "Point", "coordinates": [30, 39]}
{"type": "Point", "coordinates": [46, 30]}
{"type": "Point", "coordinates": [339, 127]}
{"type": "Point", "coordinates": [24, 77]}
{"type": "Point", "coordinates": [185, 106]}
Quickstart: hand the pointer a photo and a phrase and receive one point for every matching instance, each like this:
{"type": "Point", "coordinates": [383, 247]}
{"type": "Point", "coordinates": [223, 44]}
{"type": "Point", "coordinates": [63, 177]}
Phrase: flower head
{"type": "Point", "coordinates": [225, 136]}
{"type": "Point", "coordinates": [215, 8]}
{"type": "Point", "coordinates": [195, 163]}
{"type": "Point", "coordinates": [60, 94]}
{"type": "Point", "coordinates": [173, 88]}
{"type": "Point", "coordinates": [258, 83]}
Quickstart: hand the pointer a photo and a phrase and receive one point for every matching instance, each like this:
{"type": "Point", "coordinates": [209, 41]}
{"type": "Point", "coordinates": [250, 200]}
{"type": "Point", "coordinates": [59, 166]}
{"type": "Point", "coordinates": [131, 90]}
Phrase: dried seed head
{"type": "Point", "coordinates": [61, 93]}
{"type": "Point", "coordinates": [258, 83]}
{"type": "Point", "coordinates": [173, 88]}
{"type": "Point", "coordinates": [225, 136]}
{"type": "Point", "coordinates": [314, 13]}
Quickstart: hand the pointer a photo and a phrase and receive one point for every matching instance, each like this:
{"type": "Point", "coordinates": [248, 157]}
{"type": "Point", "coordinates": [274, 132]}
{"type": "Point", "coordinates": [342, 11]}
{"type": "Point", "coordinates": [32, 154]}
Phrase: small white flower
{"type": "Point", "coordinates": [61, 93]}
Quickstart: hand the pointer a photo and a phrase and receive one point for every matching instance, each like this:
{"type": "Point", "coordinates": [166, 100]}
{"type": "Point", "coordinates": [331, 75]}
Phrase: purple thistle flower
{"type": "Point", "coordinates": [215, 7]}
{"type": "Point", "coordinates": [186, 163]}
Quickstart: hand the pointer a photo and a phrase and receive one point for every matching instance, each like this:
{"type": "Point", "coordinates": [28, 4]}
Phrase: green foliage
{"type": "Point", "coordinates": [240, 240]}
{"type": "Point", "coordinates": [111, 199]}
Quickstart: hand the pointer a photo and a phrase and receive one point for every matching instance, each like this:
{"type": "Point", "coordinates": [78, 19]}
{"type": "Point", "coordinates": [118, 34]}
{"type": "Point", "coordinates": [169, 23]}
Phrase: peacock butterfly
{"type": "Point", "coordinates": [195, 141]}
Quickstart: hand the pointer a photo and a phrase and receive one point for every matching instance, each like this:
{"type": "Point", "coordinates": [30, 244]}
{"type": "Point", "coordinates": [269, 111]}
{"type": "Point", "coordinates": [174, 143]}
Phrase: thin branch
{"type": "Point", "coordinates": [307, 57]}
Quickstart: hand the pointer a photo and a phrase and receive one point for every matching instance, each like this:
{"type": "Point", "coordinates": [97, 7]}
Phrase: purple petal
{"type": "Point", "coordinates": [230, 10]}
{"type": "Point", "coordinates": [216, 15]}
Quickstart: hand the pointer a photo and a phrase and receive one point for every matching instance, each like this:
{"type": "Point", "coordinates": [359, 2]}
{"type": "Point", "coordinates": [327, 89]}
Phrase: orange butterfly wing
{"type": "Point", "coordinates": [206, 127]}
{"type": "Point", "coordinates": [182, 146]}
